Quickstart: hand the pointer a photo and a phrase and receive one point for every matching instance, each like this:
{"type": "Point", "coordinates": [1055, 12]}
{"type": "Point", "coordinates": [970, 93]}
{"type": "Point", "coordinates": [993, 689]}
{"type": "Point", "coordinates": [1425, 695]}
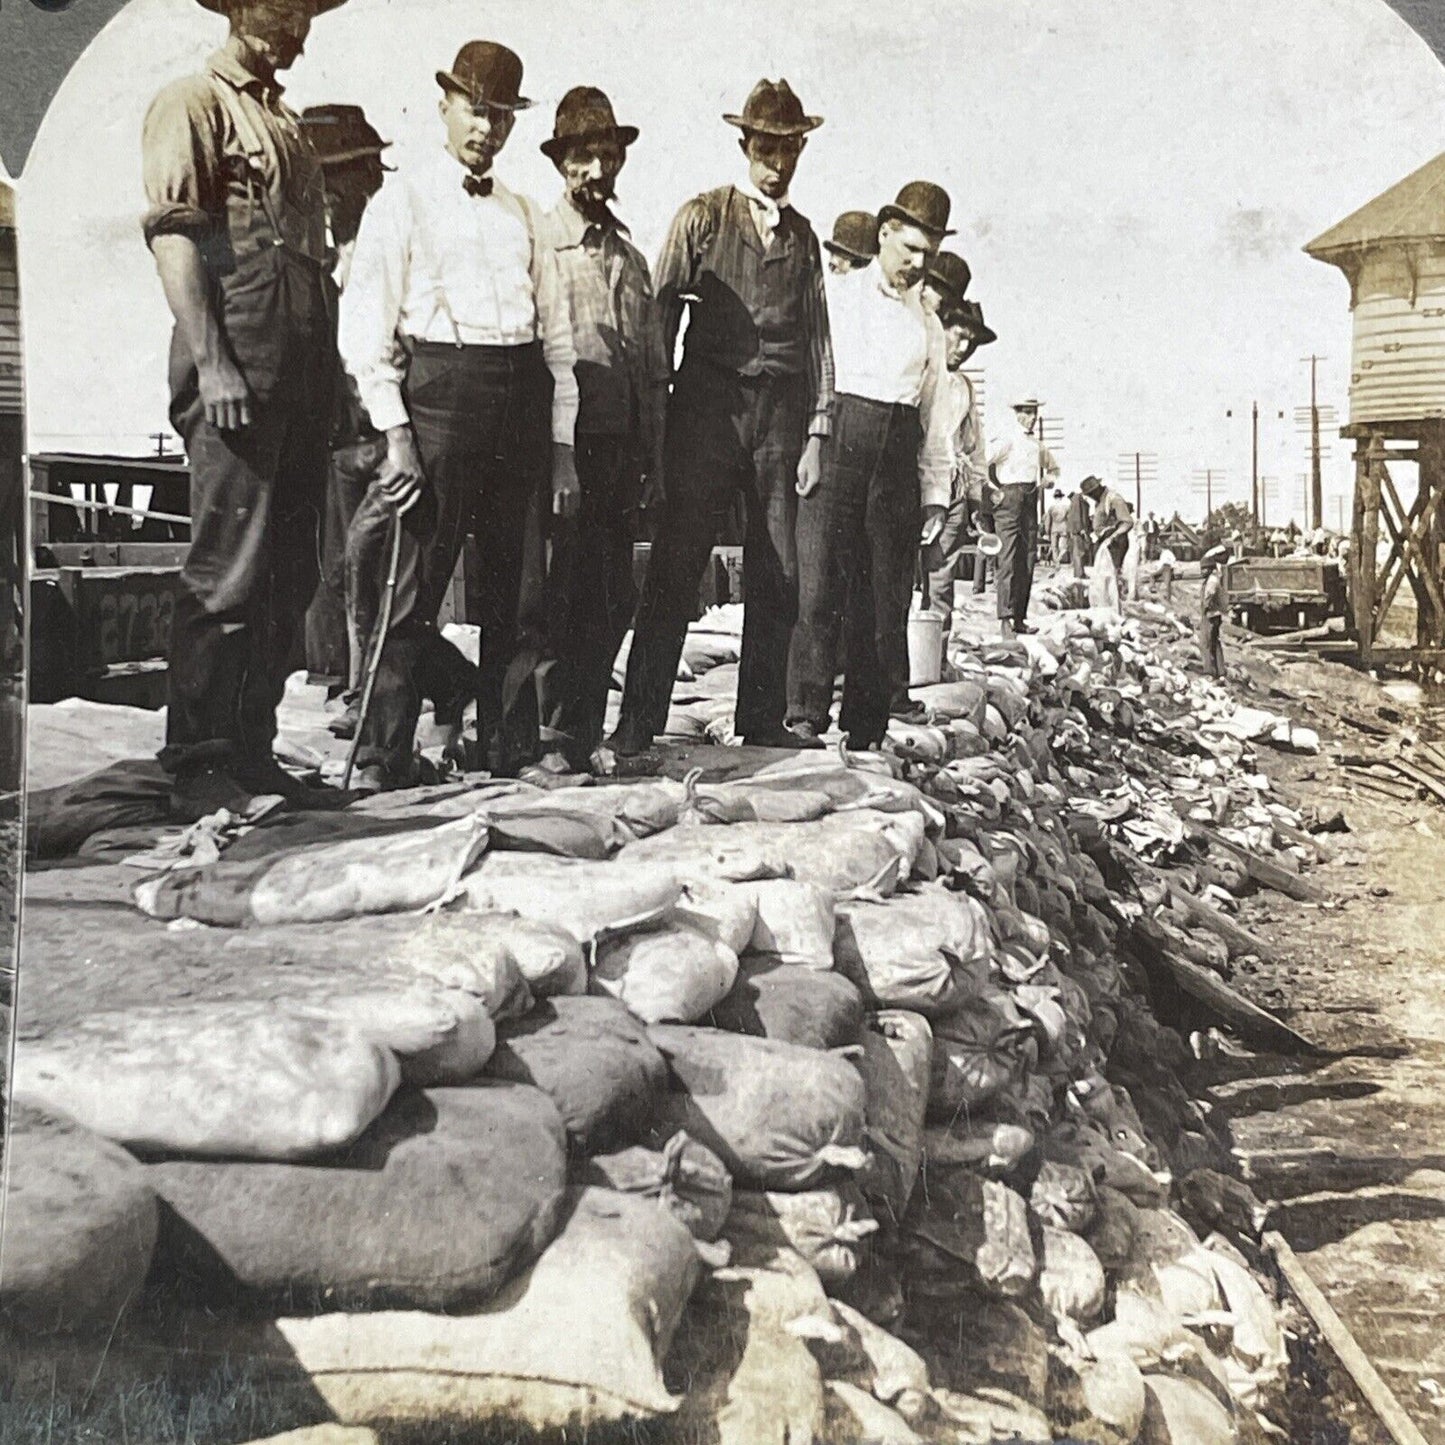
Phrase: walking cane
{"type": "Point", "coordinates": [373, 665]}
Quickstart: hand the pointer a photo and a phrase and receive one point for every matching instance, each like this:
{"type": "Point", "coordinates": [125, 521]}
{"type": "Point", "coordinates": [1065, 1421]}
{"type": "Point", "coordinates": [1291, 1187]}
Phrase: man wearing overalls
{"type": "Point", "coordinates": [478, 404]}
{"type": "Point", "coordinates": [237, 226]}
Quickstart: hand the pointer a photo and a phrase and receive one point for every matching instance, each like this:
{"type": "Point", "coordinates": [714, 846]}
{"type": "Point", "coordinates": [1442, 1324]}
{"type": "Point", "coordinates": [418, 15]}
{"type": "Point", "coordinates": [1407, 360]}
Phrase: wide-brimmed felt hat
{"type": "Point", "coordinates": [341, 133]}
{"type": "Point", "coordinates": [921, 204]}
{"type": "Point", "coordinates": [773, 109]}
{"type": "Point", "coordinates": [950, 273]}
{"type": "Point", "coordinates": [585, 113]}
{"type": "Point", "coordinates": [1031, 403]}
{"type": "Point", "coordinates": [316, 7]}
{"type": "Point", "coordinates": [1090, 485]}
{"type": "Point", "coordinates": [487, 74]}
{"type": "Point", "coordinates": [855, 234]}
{"type": "Point", "coordinates": [972, 312]}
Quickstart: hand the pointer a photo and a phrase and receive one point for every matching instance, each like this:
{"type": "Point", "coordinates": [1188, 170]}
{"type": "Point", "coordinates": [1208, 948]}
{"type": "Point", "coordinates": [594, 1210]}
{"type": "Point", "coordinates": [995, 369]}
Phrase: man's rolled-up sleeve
{"type": "Point", "coordinates": [181, 162]}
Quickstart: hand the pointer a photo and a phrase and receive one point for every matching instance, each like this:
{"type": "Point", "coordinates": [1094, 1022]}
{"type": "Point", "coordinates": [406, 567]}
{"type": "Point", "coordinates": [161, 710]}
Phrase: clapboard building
{"type": "Point", "coordinates": [1392, 253]}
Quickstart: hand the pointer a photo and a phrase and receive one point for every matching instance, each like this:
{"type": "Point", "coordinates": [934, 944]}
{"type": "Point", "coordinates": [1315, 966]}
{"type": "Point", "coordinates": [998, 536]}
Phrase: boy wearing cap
{"type": "Point", "coordinates": [588, 596]}
{"type": "Point", "coordinates": [886, 483]}
{"type": "Point", "coordinates": [457, 332]}
{"type": "Point", "coordinates": [237, 227]}
{"type": "Point", "coordinates": [749, 408]}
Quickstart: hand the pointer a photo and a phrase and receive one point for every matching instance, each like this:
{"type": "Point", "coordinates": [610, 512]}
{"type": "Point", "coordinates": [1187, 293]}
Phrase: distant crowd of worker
{"type": "Point", "coordinates": [376, 375]}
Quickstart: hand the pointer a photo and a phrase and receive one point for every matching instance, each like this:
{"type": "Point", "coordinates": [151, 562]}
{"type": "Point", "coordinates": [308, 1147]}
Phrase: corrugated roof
{"type": "Point", "coordinates": [1411, 210]}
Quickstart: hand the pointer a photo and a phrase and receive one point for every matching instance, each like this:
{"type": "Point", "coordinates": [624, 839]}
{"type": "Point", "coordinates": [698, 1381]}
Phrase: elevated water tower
{"type": "Point", "coordinates": [1392, 252]}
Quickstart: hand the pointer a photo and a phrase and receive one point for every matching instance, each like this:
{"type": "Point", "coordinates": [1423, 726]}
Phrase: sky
{"type": "Point", "coordinates": [1132, 183]}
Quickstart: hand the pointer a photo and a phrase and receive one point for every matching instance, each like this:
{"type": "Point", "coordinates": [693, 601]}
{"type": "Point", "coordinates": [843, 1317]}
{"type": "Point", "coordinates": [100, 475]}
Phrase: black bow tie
{"type": "Point", "coordinates": [477, 185]}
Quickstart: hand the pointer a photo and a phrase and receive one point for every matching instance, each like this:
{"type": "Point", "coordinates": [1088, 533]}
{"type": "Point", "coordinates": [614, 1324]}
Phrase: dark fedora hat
{"type": "Point", "coordinates": [972, 314]}
{"type": "Point", "coordinates": [487, 74]}
{"type": "Point", "coordinates": [585, 113]}
{"type": "Point", "coordinates": [950, 273]}
{"type": "Point", "coordinates": [341, 133]}
{"type": "Point", "coordinates": [773, 109]}
{"type": "Point", "coordinates": [315, 7]}
{"type": "Point", "coordinates": [855, 234]}
{"type": "Point", "coordinates": [921, 204]}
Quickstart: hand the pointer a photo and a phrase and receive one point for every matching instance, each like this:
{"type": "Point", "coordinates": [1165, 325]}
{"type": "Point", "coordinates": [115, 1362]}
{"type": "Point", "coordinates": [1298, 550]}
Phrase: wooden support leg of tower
{"type": "Point", "coordinates": [1367, 539]}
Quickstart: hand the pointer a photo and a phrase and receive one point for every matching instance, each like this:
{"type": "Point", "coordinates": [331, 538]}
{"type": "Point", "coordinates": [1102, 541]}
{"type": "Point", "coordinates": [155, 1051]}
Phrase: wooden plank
{"type": "Point", "coordinates": [1416, 775]}
{"type": "Point", "coordinates": [1231, 1008]}
{"type": "Point", "coordinates": [1263, 870]}
{"type": "Point", "coordinates": [1238, 939]}
{"type": "Point", "coordinates": [1378, 1395]}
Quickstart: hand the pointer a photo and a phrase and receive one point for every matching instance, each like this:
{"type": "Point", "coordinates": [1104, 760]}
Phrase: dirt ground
{"type": "Point", "coordinates": [1352, 1145]}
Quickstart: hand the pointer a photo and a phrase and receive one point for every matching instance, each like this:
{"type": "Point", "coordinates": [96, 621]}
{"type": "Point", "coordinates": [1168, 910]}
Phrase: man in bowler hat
{"type": "Point", "coordinates": [750, 406]}
{"type": "Point", "coordinates": [478, 403]}
{"type": "Point", "coordinates": [886, 481]}
{"type": "Point", "coordinates": [237, 227]}
{"type": "Point", "coordinates": [854, 242]}
{"type": "Point", "coordinates": [621, 372]}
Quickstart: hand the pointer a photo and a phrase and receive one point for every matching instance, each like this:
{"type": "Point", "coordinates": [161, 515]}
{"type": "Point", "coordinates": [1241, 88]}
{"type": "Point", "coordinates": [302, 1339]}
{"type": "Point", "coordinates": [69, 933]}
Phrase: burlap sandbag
{"type": "Point", "coordinates": [685, 1177]}
{"type": "Point", "coordinates": [928, 951]}
{"type": "Point", "coordinates": [787, 1001]}
{"type": "Point", "coordinates": [778, 1115]}
{"type": "Point", "coordinates": [440, 1202]}
{"type": "Point", "coordinates": [668, 974]}
{"type": "Point", "coordinates": [247, 1081]}
{"type": "Point", "coordinates": [895, 1064]}
{"type": "Point", "coordinates": [595, 1061]}
{"type": "Point", "coordinates": [828, 1227]}
{"type": "Point", "coordinates": [80, 1224]}
{"type": "Point", "coordinates": [325, 881]}
{"type": "Point", "coordinates": [796, 922]}
{"type": "Point", "coordinates": [588, 900]}
{"type": "Point", "coordinates": [577, 1340]}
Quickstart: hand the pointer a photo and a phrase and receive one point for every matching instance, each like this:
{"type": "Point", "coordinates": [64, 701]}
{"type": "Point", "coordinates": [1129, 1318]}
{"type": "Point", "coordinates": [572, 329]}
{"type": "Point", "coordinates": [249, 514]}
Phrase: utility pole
{"type": "Point", "coordinates": [1254, 467]}
{"type": "Point", "coordinates": [1317, 499]}
{"type": "Point", "coordinates": [1138, 489]}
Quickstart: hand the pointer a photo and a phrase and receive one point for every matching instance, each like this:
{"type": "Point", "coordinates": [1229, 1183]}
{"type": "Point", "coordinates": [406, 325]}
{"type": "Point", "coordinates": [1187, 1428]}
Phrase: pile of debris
{"type": "Point", "coordinates": [815, 1096]}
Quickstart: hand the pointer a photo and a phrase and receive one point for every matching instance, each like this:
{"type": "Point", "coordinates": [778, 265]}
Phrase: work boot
{"type": "Point", "coordinates": [630, 739]}
{"type": "Point", "coordinates": [781, 737]}
{"type": "Point", "coordinates": [807, 734]}
{"type": "Point", "coordinates": [1022, 627]}
{"type": "Point", "coordinates": [266, 775]}
{"type": "Point", "coordinates": [198, 794]}
{"type": "Point", "coordinates": [916, 713]}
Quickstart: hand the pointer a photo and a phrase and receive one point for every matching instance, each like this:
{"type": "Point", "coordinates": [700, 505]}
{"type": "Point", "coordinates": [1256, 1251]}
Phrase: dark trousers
{"type": "Point", "coordinates": [1080, 553]}
{"type": "Point", "coordinates": [588, 597]}
{"type": "Point", "coordinates": [857, 545]}
{"type": "Point", "coordinates": [256, 500]}
{"type": "Point", "coordinates": [482, 419]}
{"type": "Point", "coordinates": [1211, 644]}
{"type": "Point", "coordinates": [1016, 520]}
{"type": "Point", "coordinates": [942, 559]}
{"type": "Point", "coordinates": [727, 435]}
{"type": "Point", "coordinates": [329, 652]}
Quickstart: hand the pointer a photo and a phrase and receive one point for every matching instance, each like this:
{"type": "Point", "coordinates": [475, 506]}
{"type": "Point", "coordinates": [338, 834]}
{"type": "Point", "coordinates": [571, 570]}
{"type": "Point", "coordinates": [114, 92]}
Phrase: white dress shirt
{"type": "Point", "coordinates": [887, 348]}
{"type": "Point", "coordinates": [435, 263]}
{"type": "Point", "coordinates": [1020, 458]}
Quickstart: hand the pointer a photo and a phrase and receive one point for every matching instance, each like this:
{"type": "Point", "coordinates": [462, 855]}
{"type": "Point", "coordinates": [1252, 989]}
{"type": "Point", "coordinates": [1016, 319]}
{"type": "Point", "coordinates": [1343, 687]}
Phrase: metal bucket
{"type": "Point", "coordinates": [925, 647]}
